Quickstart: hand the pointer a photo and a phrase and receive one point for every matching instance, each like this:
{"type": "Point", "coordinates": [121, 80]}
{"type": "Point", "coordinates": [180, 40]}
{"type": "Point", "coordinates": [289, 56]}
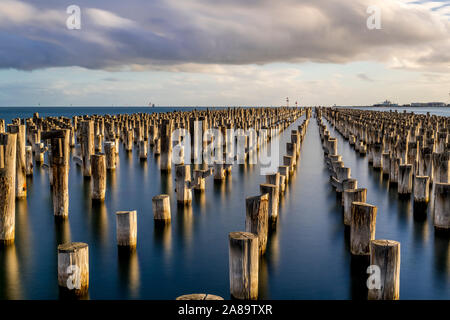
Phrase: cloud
{"type": "Point", "coordinates": [364, 77]}
{"type": "Point", "coordinates": [202, 34]}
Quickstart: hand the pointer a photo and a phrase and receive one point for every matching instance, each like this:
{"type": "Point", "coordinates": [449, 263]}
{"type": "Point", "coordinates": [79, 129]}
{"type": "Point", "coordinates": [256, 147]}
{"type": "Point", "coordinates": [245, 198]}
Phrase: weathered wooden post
{"type": "Point", "coordinates": [284, 171]}
{"type": "Point", "coordinates": [442, 206]}
{"type": "Point", "coordinates": [128, 140]}
{"type": "Point", "coordinates": [393, 173]}
{"type": "Point", "coordinates": [199, 180]}
{"type": "Point", "coordinates": [126, 229]}
{"type": "Point", "coordinates": [219, 171]}
{"type": "Point", "coordinates": [7, 187]}
{"type": "Point", "coordinates": [98, 181]}
{"type": "Point", "coordinates": [349, 184]}
{"type": "Point", "coordinates": [362, 228]}
{"type": "Point", "coordinates": [157, 147]}
{"type": "Point", "coordinates": [161, 208]}
{"type": "Point", "coordinates": [39, 150]}
{"type": "Point", "coordinates": [110, 154]}
{"type": "Point", "coordinates": [405, 173]}
{"type": "Point", "coordinates": [87, 145]}
{"type": "Point", "coordinates": [29, 160]}
{"type": "Point", "coordinates": [243, 264]}
{"type": "Point", "coordinates": [166, 144]}
{"type": "Point", "coordinates": [59, 166]}
{"type": "Point", "coordinates": [421, 189]}
{"type": "Point", "coordinates": [143, 149]}
{"type": "Point", "coordinates": [385, 255]}
{"type": "Point", "coordinates": [350, 196]}
{"type": "Point", "coordinates": [273, 178]}
{"type": "Point", "coordinates": [257, 218]}
{"type": "Point", "coordinates": [274, 195]}
{"type": "Point", "coordinates": [288, 161]}
{"type": "Point", "coordinates": [73, 268]}
{"type": "Point", "coordinates": [282, 184]}
{"type": "Point", "coordinates": [98, 142]}
{"type": "Point", "coordinates": [21, 178]}
{"type": "Point", "coordinates": [182, 181]}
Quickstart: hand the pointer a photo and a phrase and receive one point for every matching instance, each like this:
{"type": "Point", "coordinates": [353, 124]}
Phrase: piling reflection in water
{"type": "Point", "coordinates": [99, 222]}
{"type": "Point", "coordinates": [62, 231]}
{"type": "Point", "coordinates": [162, 235]}
{"type": "Point", "coordinates": [442, 255]}
{"type": "Point", "coordinates": [200, 199]}
{"type": "Point", "coordinates": [166, 182]}
{"type": "Point", "coordinates": [22, 222]}
{"type": "Point", "coordinates": [263, 281]}
{"type": "Point", "coordinates": [111, 183]}
{"type": "Point", "coordinates": [420, 225]}
{"type": "Point", "coordinates": [273, 245]}
{"type": "Point", "coordinates": [129, 273]}
{"type": "Point", "coordinates": [359, 276]}
{"type": "Point", "coordinates": [185, 221]}
{"type": "Point", "coordinates": [404, 210]}
{"type": "Point", "coordinates": [10, 282]}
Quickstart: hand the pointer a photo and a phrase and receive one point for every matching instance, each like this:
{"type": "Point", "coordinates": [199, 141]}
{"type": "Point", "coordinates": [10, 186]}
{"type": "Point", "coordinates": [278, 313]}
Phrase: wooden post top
{"type": "Point", "coordinates": [362, 204]}
{"type": "Point", "coordinates": [160, 197]}
{"type": "Point", "coordinates": [262, 197]}
{"type": "Point", "coordinates": [385, 243]}
{"type": "Point", "coordinates": [199, 296]}
{"type": "Point", "coordinates": [71, 246]}
{"type": "Point", "coordinates": [125, 212]}
{"type": "Point", "coordinates": [242, 235]}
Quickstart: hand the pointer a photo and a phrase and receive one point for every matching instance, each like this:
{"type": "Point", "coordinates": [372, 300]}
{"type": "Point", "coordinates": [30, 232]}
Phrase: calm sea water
{"type": "Point", "coordinates": [308, 256]}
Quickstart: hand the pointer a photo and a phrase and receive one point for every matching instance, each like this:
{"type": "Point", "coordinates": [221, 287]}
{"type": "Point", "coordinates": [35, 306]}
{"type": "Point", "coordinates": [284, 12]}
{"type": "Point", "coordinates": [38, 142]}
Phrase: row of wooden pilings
{"type": "Point", "coordinates": [96, 141]}
{"type": "Point", "coordinates": [360, 217]}
{"type": "Point", "coordinates": [246, 247]}
{"type": "Point", "coordinates": [412, 150]}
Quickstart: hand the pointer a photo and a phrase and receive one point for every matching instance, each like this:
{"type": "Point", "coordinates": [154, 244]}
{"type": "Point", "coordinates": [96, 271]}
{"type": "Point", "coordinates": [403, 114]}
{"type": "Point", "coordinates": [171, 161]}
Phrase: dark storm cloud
{"type": "Point", "coordinates": [158, 34]}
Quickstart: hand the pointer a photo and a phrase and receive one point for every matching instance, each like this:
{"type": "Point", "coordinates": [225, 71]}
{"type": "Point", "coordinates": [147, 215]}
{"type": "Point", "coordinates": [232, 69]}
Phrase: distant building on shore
{"type": "Point", "coordinates": [428, 104]}
{"type": "Point", "coordinates": [386, 103]}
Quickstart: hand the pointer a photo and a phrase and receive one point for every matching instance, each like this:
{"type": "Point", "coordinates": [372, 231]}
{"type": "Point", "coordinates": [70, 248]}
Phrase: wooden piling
{"type": "Point", "coordinates": [7, 187]}
{"type": "Point", "coordinates": [442, 206]}
{"type": "Point", "coordinates": [126, 229]}
{"type": "Point", "coordinates": [87, 145]}
{"type": "Point", "coordinates": [182, 181]}
{"type": "Point", "coordinates": [421, 189]}
{"type": "Point", "coordinates": [59, 167]}
{"type": "Point", "coordinates": [243, 265]}
{"type": "Point", "coordinates": [73, 268]}
{"type": "Point", "coordinates": [110, 155]}
{"type": "Point", "coordinates": [21, 179]}
{"type": "Point", "coordinates": [257, 215]}
{"type": "Point", "coordinates": [29, 160]}
{"type": "Point", "coordinates": [385, 254]}
{"type": "Point", "coordinates": [161, 208]}
{"type": "Point", "coordinates": [405, 182]}
{"type": "Point", "coordinates": [362, 227]}
{"type": "Point", "coordinates": [350, 196]}
{"type": "Point", "coordinates": [274, 194]}
{"type": "Point", "coordinates": [98, 181]}
{"type": "Point", "coordinates": [143, 149]}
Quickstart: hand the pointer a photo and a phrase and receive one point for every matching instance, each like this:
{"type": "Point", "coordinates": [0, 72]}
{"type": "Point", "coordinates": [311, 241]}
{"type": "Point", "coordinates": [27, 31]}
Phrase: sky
{"type": "Point", "coordinates": [223, 52]}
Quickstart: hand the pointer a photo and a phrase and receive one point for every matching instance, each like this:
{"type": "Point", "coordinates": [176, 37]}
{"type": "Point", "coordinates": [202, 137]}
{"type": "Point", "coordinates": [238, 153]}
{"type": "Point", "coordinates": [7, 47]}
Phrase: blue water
{"type": "Point", "coordinates": [308, 256]}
